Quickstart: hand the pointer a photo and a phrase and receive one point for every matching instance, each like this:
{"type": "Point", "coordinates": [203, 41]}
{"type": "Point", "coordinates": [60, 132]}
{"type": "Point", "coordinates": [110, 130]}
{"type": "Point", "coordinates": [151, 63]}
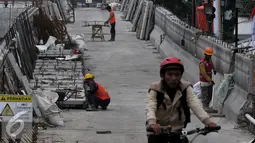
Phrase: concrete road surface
{"type": "Point", "coordinates": [126, 68]}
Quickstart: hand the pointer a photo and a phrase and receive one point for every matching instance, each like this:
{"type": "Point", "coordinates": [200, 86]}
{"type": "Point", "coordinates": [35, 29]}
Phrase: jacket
{"type": "Point", "coordinates": [170, 116]}
{"type": "Point", "coordinates": [102, 92]}
{"type": "Point", "coordinates": [206, 70]}
{"type": "Point", "coordinates": [90, 86]}
{"type": "Point", "coordinates": [113, 19]}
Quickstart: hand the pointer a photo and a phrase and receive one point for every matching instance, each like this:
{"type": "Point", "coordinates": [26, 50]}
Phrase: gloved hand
{"type": "Point", "coordinates": [106, 22]}
{"type": "Point", "coordinates": [212, 82]}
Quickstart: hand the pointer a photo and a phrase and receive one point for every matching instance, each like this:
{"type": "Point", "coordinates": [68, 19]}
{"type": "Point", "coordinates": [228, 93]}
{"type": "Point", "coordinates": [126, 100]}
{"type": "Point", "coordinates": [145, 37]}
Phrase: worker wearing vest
{"type": "Point", "coordinates": [112, 20]}
{"type": "Point", "coordinates": [166, 105]}
{"type": "Point", "coordinates": [96, 94]}
{"type": "Point", "coordinates": [206, 68]}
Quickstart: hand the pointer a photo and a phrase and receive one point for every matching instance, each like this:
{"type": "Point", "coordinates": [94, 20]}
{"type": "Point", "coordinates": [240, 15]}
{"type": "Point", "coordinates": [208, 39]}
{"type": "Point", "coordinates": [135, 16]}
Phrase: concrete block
{"type": "Point", "coordinates": [244, 72]}
{"type": "Point", "coordinates": [233, 105]}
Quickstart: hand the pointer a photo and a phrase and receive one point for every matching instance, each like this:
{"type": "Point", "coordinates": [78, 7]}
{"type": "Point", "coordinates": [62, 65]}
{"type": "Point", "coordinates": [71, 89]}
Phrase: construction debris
{"type": "Point", "coordinates": [46, 104]}
{"type": "Point", "coordinates": [38, 38]}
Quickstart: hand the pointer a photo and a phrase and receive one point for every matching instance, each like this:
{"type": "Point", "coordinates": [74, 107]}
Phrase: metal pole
{"type": "Point", "coordinates": [210, 22]}
{"type": "Point", "coordinates": [219, 19]}
{"type": "Point", "coordinates": [236, 33]}
{"type": "Point", "coordinates": [194, 13]}
{"type": "Point", "coordinates": [210, 27]}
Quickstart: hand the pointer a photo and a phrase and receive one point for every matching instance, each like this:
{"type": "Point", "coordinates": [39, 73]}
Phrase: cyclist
{"type": "Point", "coordinates": [169, 102]}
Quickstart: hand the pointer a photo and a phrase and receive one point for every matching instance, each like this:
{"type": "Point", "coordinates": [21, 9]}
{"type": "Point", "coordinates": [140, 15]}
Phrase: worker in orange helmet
{"type": "Point", "coordinates": [206, 68]}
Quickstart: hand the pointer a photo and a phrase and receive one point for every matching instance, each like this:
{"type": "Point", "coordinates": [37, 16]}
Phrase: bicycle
{"type": "Point", "coordinates": [166, 130]}
{"type": "Point", "coordinates": [252, 120]}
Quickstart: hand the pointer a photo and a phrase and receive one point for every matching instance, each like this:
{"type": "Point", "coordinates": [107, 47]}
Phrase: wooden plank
{"type": "Point", "coordinates": [14, 65]}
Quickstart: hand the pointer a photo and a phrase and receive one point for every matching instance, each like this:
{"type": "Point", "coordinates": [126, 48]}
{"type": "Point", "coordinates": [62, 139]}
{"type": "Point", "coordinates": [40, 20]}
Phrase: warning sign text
{"type": "Point", "coordinates": [15, 98]}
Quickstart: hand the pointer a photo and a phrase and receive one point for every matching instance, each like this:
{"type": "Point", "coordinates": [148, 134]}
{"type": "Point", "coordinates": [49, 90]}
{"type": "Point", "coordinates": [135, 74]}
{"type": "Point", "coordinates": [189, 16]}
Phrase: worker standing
{"type": "Point", "coordinates": [206, 68]}
{"type": "Point", "coordinates": [96, 94]}
{"type": "Point", "coordinates": [112, 20]}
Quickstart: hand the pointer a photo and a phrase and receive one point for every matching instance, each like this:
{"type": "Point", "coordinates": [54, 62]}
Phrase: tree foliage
{"type": "Point", "coordinates": [180, 8]}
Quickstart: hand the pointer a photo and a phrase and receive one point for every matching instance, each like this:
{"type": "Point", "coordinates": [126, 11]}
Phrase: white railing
{"type": "Point", "coordinates": [252, 120]}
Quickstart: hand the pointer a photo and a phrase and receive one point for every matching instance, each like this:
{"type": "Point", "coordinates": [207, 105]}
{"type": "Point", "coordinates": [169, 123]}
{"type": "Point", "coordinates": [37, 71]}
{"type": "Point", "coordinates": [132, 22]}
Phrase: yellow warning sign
{"type": "Point", "coordinates": [7, 111]}
{"type": "Point", "coordinates": [15, 98]}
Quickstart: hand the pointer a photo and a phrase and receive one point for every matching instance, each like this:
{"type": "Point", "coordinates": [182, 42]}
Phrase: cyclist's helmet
{"type": "Point", "coordinates": [170, 63]}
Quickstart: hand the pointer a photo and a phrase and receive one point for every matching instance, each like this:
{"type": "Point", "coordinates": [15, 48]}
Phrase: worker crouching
{"type": "Point", "coordinates": [96, 94]}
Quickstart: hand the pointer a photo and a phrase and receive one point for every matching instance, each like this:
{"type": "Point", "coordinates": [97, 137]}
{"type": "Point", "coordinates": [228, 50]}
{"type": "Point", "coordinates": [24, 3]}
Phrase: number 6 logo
{"type": "Point", "coordinates": [12, 122]}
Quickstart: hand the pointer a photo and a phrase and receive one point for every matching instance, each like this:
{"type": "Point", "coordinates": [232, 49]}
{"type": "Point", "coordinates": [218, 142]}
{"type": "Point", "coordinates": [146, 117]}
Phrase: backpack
{"type": "Point", "coordinates": [183, 105]}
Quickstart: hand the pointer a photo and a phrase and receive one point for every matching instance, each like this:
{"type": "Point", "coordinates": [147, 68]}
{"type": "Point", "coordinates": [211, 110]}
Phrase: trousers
{"type": "Point", "coordinates": [206, 95]}
{"type": "Point", "coordinates": [113, 28]}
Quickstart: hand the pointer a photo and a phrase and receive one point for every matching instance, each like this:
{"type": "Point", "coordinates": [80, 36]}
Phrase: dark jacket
{"type": "Point", "coordinates": [90, 86]}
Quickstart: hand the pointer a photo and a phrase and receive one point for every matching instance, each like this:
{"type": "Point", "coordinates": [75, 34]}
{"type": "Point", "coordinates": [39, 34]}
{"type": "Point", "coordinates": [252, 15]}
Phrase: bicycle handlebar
{"type": "Point", "coordinates": [203, 131]}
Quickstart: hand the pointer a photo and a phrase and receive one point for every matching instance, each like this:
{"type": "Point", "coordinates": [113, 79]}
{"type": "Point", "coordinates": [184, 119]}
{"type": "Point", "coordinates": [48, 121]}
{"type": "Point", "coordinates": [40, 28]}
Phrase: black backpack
{"type": "Point", "coordinates": [184, 104]}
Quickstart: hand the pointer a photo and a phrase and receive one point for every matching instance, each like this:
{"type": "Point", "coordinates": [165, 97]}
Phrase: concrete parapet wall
{"type": "Point", "coordinates": [222, 56]}
{"type": "Point", "coordinates": [192, 51]}
{"type": "Point", "coordinates": [244, 72]}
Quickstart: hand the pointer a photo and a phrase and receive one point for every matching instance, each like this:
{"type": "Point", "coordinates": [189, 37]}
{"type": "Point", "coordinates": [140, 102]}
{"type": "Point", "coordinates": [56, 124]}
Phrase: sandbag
{"type": "Point", "coordinates": [46, 103]}
{"type": "Point", "coordinates": [197, 89]}
{"type": "Point", "coordinates": [79, 39]}
{"type": "Point", "coordinates": [223, 91]}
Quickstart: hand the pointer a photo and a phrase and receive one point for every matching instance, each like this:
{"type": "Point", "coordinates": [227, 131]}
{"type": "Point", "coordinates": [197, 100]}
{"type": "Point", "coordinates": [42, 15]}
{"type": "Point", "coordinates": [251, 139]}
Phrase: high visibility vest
{"type": "Point", "coordinates": [113, 19]}
{"type": "Point", "coordinates": [208, 69]}
{"type": "Point", "coordinates": [102, 92]}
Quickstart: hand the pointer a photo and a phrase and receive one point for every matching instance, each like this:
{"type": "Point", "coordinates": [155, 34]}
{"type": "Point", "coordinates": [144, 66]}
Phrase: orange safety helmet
{"type": "Point", "coordinates": [209, 51]}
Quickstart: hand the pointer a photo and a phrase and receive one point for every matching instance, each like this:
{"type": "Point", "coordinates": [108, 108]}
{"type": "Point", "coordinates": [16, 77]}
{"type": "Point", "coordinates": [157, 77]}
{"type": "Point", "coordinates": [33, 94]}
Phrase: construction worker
{"type": "Point", "coordinates": [206, 68]}
{"type": "Point", "coordinates": [169, 101]}
{"type": "Point", "coordinates": [112, 20]}
{"type": "Point", "coordinates": [96, 94]}
{"type": "Point", "coordinates": [5, 3]}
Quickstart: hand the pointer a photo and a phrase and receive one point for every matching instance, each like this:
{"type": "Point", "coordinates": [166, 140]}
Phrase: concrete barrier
{"type": "Point", "coordinates": [191, 52]}
{"type": "Point", "coordinates": [244, 72]}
